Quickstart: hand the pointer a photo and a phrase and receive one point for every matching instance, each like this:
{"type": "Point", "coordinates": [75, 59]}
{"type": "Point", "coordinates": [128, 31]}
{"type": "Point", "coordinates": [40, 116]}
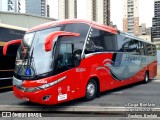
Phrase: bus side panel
{"type": "Point", "coordinates": [152, 68]}
{"type": "Point", "coordinates": [113, 74]}
{"type": "Point", "coordinates": [91, 65]}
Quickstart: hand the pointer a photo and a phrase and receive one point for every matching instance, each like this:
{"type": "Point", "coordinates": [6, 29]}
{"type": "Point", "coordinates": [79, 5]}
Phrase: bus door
{"type": "Point", "coordinates": [65, 69]}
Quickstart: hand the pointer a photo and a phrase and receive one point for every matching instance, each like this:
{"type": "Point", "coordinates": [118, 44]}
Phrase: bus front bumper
{"type": "Point", "coordinates": [47, 97]}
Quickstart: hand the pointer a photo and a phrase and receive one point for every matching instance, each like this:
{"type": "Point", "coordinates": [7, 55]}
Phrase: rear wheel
{"type": "Point", "coordinates": [146, 77]}
{"type": "Point", "coordinates": [91, 90]}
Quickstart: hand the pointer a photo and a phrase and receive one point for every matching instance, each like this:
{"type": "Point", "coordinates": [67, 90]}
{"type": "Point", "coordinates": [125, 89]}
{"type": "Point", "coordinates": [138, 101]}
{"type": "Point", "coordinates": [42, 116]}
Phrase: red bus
{"type": "Point", "coordinates": [65, 60]}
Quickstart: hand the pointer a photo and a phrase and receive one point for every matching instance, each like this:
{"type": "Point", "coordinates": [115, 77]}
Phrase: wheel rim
{"type": "Point", "coordinates": [146, 77]}
{"type": "Point", "coordinates": [90, 89]}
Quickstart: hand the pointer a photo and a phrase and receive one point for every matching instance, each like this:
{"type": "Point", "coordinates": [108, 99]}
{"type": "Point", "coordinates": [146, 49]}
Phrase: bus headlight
{"type": "Point", "coordinates": [27, 89]}
{"type": "Point", "coordinates": [34, 89]}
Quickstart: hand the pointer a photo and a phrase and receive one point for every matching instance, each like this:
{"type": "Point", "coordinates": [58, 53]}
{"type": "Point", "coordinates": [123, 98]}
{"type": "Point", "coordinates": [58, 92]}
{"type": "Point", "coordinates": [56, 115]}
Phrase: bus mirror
{"type": "Point", "coordinates": [13, 42]}
{"type": "Point", "coordinates": [52, 36]}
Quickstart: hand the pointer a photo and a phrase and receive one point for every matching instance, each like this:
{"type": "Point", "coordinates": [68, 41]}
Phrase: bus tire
{"type": "Point", "coordinates": [91, 90]}
{"type": "Point", "coordinates": [146, 77]}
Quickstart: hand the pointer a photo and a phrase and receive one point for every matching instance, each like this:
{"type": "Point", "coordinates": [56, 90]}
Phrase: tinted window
{"type": "Point", "coordinates": [141, 48]}
{"type": "Point", "coordinates": [77, 28]}
{"type": "Point", "coordinates": [100, 41]}
{"type": "Point", "coordinates": [150, 49]}
{"type": "Point", "coordinates": [154, 49]}
{"type": "Point", "coordinates": [110, 41]}
{"type": "Point", "coordinates": [126, 44]}
{"type": "Point", "coordinates": [65, 57]}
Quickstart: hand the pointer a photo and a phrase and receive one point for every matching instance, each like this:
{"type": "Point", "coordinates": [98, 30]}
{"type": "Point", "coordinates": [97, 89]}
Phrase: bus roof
{"type": "Point", "coordinates": [13, 27]}
{"type": "Point", "coordinates": [94, 24]}
{"type": "Point", "coordinates": [70, 21]}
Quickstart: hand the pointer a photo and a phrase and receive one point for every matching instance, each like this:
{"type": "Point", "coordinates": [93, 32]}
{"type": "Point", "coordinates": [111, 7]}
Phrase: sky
{"type": "Point", "coordinates": [146, 11]}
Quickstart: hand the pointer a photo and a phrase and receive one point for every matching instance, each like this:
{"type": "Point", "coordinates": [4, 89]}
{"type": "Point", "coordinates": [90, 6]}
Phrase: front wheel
{"type": "Point", "coordinates": [146, 77]}
{"type": "Point", "coordinates": [91, 90]}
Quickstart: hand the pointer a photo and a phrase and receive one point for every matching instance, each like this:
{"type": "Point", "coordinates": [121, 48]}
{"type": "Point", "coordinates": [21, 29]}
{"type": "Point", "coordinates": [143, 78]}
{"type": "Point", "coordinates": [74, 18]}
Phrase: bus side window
{"type": "Point", "coordinates": [141, 48]}
{"type": "Point", "coordinates": [124, 44]}
{"type": "Point", "coordinates": [100, 41]}
{"type": "Point", "coordinates": [148, 49]}
{"type": "Point", "coordinates": [145, 48]}
{"type": "Point", "coordinates": [154, 52]}
{"type": "Point", "coordinates": [131, 45]}
{"type": "Point", "coordinates": [65, 57]}
{"type": "Point", "coordinates": [95, 42]}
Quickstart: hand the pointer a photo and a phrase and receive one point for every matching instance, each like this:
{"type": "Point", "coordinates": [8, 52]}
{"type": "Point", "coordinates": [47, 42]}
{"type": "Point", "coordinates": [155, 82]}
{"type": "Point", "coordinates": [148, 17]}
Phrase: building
{"type": "Point", "coordinates": [144, 32]}
{"type": "Point", "coordinates": [67, 9]}
{"type": "Point", "coordinates": [156, 23]}
{"type": "Point", "coordinates": [113, 25]}
{"type": "Point", "coordinates": [48, 11]}
{"type": "Point", "coordinates": [41, 8]}
{"type": "Point", "coordinates": [145, 37]}
{"type": "Point", "coordinates": [24, 20]}
{"type": "Point", "coordinates": [131, 16]}
{"type": "Point", "coordinates": [12, 6]}
{"type": "Point", "coordinates": [99, 11]}
{"type": "Point", "coordinates": [142, 29]}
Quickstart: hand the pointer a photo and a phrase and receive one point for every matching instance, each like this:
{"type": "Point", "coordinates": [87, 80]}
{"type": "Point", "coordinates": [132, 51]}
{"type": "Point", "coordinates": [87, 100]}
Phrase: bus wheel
{"type": "Point", "coordinates": [91, 90]}
{"type": "Point", "coordinates": [146, 77]}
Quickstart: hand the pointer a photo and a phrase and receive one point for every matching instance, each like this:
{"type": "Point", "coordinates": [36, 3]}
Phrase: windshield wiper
{"type": "Point", "coordinates": [23, 61]}
{"type": "Point", "coordinates": [28, 69]}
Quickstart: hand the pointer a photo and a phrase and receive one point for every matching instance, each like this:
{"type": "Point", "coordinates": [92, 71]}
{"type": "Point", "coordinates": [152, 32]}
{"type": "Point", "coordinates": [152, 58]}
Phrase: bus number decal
{"type": "Point", "coordinates": [80, 69]}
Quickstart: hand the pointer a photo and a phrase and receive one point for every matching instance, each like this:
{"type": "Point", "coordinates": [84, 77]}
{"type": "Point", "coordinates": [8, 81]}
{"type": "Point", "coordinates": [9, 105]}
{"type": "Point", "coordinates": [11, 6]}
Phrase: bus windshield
{"type": "Point", "coordinates": [34, 62]}
{"type": "Point", "coordinates": [32, 59]}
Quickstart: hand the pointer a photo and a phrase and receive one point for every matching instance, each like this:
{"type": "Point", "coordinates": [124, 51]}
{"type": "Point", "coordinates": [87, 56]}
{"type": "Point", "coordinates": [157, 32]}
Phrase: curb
{"type": "Point", "coordinates": [93, 109]}
{"type": "Point", "coordinates": [59, 108]}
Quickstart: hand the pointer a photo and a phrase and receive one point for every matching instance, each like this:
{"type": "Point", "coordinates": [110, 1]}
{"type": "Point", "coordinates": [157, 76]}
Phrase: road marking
{"type": "Point", "coordinates": [5, 87]}
{"type": "Point", "coordinates": [155, 80]}
{"type": "Point", "coordinates": [8, 70]}
{"type": "Point", "coordinates": [6, 78]}
{"type": "Point", "coordinates": [118, 92]}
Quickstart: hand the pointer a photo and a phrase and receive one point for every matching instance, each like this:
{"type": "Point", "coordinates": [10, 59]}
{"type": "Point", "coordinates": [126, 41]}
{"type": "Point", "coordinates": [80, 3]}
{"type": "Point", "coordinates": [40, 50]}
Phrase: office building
{"type": "Point", "coordinates": [131, 16]}
{"type": "Point", "coordinates": [156, 23]}
{"type": "Point", "coordinates": [38, 7]}
{"type": "Point", "coordinates": [12, 6]}
{"type": "Point", "coordinates": [99, 11]}
{"type": "Point", "coordinates": [67, 9]}
{"type": "Point", "coordinates": [144, 32]}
